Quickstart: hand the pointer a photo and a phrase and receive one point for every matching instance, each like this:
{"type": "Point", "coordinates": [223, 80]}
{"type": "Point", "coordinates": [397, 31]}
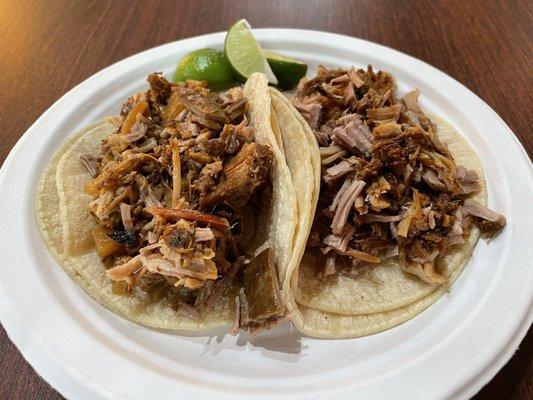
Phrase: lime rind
{"type": "Point", "coordinates": [288, 70]}
{"type": "Point", "coordinates": [208, 65]}
{"type": "Point", "coordinates": [272, 55]}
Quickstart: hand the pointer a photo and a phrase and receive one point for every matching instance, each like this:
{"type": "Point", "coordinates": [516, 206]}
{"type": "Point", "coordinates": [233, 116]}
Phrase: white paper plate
{"type": "Point", "coordinates": [448, 351]}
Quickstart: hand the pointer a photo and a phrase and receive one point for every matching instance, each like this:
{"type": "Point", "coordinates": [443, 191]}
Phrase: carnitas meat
{"type": "Point", "coordinates": [390, 187]}
{"type": "Point", "coordinates": [261, 296]}
{"type": "Point", "coordinates": [170, 188]}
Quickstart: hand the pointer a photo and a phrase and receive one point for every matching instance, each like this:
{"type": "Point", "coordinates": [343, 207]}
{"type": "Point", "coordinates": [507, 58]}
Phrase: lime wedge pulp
{"type": "Point", "coordinates": [288, 70]}
{"type": "Point", "coordinates": [245, 54]}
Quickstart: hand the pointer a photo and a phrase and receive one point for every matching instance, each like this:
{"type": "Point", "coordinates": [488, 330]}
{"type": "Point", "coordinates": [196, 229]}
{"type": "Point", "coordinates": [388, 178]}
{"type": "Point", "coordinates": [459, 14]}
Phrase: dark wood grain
{"type": "Point", "coordinates": [47, 47]}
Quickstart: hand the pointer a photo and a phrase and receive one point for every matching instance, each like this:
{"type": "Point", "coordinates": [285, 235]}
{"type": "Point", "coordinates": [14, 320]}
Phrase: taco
{"type": "Point", "coordinates": [401, 205]}
{"type": "Point", "coordinates": [179, 213]}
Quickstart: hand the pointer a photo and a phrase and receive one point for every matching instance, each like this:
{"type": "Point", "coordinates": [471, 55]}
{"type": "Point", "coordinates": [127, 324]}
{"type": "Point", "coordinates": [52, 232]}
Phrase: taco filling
{"type": "Point", "coordinates": [175, 190]}
{"type": "Point", "coordinates": [389, 186]}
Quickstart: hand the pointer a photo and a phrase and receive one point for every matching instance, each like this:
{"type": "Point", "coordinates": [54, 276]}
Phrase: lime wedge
{"type": "Point", "coordinates": [288, 70]}
{"type": "Point", "coordinates": [244, 53]}
{"type": "Point", "coordinates": [208, 65]}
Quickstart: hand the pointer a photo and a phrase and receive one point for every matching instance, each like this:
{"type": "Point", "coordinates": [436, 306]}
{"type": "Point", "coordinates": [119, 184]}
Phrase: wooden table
{"type": "Point", "coordinates": [47, 47]}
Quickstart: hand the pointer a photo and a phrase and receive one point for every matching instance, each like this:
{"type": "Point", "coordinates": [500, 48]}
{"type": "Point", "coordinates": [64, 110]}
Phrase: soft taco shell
{"type": "Point", "coordinates": [86, 269]}
{"type": "Point", "coordinates": [321, 324]}
{"type": "Point", "coordinates": [303, 160]}
{"type": "Point", "coordinates": [386, 286]}
{"type": "Point", "coordinates": [384, 296]}
{"type": "Point", "coordinates": [65, 222]}
{"type": "Point", "coordinates": [279, 226]}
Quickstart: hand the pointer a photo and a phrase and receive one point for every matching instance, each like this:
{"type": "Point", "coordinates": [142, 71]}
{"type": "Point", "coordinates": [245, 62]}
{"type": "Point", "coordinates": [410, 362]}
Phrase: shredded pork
{"type": "Point", "coordinates": [170, 190]}
{"type": "Point", "coordinates": [390, 188]}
